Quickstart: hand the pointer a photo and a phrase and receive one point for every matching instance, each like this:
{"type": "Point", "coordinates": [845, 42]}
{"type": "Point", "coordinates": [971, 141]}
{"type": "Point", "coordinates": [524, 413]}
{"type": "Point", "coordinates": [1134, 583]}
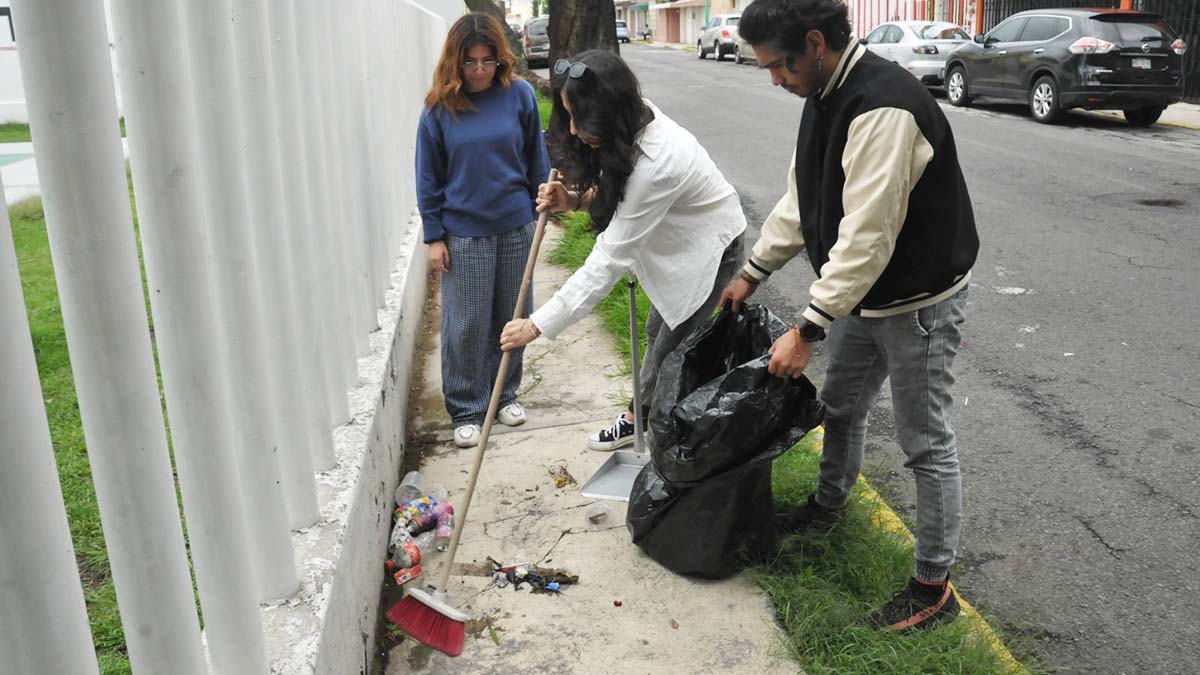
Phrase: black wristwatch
{"type": "Point", "coordinates": [811, 332]}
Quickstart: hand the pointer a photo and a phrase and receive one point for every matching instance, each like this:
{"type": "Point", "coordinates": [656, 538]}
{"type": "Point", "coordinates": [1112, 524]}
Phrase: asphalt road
{"type": "Point", "coordinates": [1077, 394]}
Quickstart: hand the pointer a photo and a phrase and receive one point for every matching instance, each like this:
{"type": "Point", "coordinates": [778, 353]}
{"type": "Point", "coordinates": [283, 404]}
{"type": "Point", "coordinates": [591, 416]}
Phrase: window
{"type": "Point", "coordinates": [1042, 28]}
{"type": "Point", "coordinates": [1128, 31]}
{"type": "Point", "coordinates": [942, 32]}
{"type": "Point", "coordinates": [1007, 31]}
{"type": "Point", "coordinates": [876, 36]}
{"type": "Point", "coordinates": [732, 21]}
{"type": "Point", "coordinates": [893, 35]}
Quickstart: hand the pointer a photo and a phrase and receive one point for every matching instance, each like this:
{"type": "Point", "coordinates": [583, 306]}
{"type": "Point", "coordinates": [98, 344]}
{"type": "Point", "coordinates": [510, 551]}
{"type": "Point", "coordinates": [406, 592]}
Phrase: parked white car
{"type": "Point", "coordinates": [920, 47]}
{"type": "Point", "coordinates": [719, 36]}
{"type": "Point", "coordinates": [622, 32]}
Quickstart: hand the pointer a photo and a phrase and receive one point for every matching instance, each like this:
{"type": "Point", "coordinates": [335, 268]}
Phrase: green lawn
{"type": "Point", "coordinates": [824, 587]}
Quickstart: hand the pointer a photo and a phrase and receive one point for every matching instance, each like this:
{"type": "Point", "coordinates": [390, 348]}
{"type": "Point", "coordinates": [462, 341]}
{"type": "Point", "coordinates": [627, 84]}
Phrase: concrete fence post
{"type": "Point", "coordinates": [43, 619]}
{"type": "Point", "coordinates": [160, 117]}
{"type": "Point", "coordinates": [254, 410]}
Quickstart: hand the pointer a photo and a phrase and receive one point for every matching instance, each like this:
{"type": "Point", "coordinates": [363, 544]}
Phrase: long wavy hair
{"type": "Point", "coordinates": [472, 29]}
{"type": "Point", "coordinates": [606, 102]}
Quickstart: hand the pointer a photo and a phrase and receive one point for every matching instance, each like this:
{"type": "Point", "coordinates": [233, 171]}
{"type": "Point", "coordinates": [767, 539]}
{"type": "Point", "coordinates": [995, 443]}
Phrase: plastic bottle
{"type": "Point", "coordinates": [445, 530]}
{"type": "Point", "coordinates": [438, 492]}
{"type": "Point", "coordinates": [426, 541]}
{"type": "Point", "coordinates": [411, 487]}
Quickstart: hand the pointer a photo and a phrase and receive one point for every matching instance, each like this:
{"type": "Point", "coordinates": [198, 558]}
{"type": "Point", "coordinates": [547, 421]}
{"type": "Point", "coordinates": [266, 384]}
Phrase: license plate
{"type": "Point", "coordinates": [1143, 64]}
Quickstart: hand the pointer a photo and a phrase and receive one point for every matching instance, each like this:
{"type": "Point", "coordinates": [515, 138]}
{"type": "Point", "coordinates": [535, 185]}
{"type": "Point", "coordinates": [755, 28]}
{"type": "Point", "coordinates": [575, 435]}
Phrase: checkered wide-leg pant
{"type": "Point", "coordinates": [478, 296]}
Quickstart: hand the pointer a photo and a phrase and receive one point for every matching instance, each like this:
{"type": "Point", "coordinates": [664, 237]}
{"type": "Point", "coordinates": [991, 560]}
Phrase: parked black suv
{"type": "Point", "coordinates": [1073, 58]}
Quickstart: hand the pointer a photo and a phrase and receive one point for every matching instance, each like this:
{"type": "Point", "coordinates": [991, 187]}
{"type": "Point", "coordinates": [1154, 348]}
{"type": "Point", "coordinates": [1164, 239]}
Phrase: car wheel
{"type": "Point", "coordinates": [956, 87]}
{"type": "Point", "coordinates": [1143, 117]}
{"type": "Point", "coordinates": [700, 49]}
{"type": "Point", "coordinates": [737, 56]}
{"type": "Point", "coordinates": [1043, 100]}
{"type": "Point", "coordinates": [720, 55]}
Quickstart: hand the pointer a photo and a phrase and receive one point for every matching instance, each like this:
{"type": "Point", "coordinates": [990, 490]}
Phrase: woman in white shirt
{"type": "Point", "coordinates": [660, 207]}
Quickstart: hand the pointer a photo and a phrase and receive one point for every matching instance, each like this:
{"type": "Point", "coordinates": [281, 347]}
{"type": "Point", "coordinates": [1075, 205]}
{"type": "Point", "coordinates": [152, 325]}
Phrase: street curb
{"type": "Point", "coordinates": [1169, 123]}
{"type": "Point", "coordinates": [886, 519]}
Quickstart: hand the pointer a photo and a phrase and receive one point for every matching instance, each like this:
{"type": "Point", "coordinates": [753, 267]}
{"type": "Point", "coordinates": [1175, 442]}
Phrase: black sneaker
{"type": "Point", "coordinates": [619, 435]}
{"type": "Point", "coordinates": [811, 517]}
{"type": "Point", "coordinates": [918, 607]}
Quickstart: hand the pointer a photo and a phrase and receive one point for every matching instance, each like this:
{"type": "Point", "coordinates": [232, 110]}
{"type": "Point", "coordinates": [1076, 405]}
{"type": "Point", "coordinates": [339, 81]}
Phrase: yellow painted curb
{"type": "Point", "coordinates": [886, 519]}
{"type": "Point", "coordinates": [1119, 116]}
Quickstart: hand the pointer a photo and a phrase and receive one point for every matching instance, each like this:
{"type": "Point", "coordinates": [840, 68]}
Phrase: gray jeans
{"type": "Point", "coordinates": [661, 339]}
{"type": "Point", "coordinates": [916, 350]}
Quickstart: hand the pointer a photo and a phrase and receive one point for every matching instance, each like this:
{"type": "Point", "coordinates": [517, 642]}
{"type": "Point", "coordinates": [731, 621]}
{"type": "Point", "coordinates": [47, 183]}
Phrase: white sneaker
{"type": "Point", "coordinates": [467, 436]}
{"type": "Point", "coordinates": [512, 415]}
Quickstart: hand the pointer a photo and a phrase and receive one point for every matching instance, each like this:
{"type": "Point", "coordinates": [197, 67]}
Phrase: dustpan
{"type": "Point", "coordinates": [614, 479]}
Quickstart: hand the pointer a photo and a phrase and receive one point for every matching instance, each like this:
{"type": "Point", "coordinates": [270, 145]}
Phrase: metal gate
{"type": "Point", "coordinates": [1183, 16]}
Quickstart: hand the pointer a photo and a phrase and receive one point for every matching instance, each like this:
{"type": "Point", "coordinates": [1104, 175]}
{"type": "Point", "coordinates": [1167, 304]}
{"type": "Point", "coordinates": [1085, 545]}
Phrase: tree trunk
{"type": "Point", "coordinates": [514, 43]}
{"type": "Point", "coordinates": [579, 25]}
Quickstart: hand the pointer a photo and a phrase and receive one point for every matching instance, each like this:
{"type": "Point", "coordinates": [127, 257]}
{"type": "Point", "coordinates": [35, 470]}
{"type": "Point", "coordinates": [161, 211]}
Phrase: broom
{"type": "Point", "coordinates": [426, 615]}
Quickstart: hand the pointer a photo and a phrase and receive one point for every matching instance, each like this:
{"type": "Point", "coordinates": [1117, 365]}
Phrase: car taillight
{"type": "Point", "coordinates": [1179, 47]}
{"type": "Point", "coordinates": [1091, 45]}
{"type": "Point", "coordinates": [925, 49]}
{"type": "Point", "coordinates": [528, 44]}
{"type": "Point", "coordinates": [724, 33]}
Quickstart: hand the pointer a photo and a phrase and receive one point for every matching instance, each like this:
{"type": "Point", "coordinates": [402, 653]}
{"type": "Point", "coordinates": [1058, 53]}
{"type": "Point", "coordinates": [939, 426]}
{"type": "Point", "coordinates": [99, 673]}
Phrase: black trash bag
{"type": "Point", "coordinates": [703, 505]}
{"type": "Point", "coordinates": [712, 528]}
{"type": "Point", "coordinates": [716, 406]}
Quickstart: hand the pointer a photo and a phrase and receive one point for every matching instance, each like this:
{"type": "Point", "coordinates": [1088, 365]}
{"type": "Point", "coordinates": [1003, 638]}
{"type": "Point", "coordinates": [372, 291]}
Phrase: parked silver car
{"type": "Point", "coordinates": [743, 52]}
{"type": "Point", "coordinates": [920, 47]}
{"type": "Point", "coordinates": [622, 32]}
{"type": "Point", "coordinates": [537, 41]}
{"type": "Point", "coordinates": [719, 36]}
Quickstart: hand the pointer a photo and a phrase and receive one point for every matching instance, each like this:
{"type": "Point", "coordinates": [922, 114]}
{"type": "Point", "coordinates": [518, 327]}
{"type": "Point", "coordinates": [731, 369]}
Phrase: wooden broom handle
{"type": "Point", "coordinates": [460, 513]}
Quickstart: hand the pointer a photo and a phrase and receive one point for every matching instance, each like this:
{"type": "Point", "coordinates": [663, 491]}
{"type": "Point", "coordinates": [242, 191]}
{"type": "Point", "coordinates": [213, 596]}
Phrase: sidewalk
{"type": "Point", "coordinates": [664, 624]}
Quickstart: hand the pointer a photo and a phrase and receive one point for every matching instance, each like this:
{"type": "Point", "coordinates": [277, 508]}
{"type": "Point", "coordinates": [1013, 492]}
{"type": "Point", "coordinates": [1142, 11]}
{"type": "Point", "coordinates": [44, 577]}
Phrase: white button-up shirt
{"type": "Point", "coordinates": [671, 229]}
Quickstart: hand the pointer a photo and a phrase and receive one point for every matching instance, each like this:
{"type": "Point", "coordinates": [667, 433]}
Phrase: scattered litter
{"type": "Point", "coordinates": [599, 516]}
{"type": "Point", "coordinates": [616, 603]}
{"type": "Point", "coordinates": [561, 476]}
{"type": "Point", "coordinates": [492, 634]}
{"type": "Point", "coordinates": [491, 567]}
{"type": "Point", "coordinates": [1010, 290]}
{"type": "Point", "coordinates": [1069, 354]}
{"type": "Point", "coordinates": [406, 575]}
{"type": "Point", "coordinates": [540, 580]}
{"type": "Point", "coordinates": [674, 624]}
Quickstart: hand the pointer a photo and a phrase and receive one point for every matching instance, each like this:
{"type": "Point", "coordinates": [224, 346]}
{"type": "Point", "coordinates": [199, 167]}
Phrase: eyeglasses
{"type": "Point", "coordinates": [486, 64]}
{"type": "Point", "coordinates": [574, 70]}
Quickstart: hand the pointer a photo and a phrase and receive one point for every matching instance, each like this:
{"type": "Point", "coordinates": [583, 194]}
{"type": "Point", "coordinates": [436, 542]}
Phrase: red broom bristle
{"type": "Point", "coordinates": [428, 625]}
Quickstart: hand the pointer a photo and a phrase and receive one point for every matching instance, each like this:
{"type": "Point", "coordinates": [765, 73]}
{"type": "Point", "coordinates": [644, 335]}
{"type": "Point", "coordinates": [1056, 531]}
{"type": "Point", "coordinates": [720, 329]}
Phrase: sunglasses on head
{"type": "Point", "coordinates": [573, 70]}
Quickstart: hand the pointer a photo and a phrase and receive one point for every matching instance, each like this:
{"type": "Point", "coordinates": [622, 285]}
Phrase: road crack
{"type": "Point", "coordinates": [1114, 551]}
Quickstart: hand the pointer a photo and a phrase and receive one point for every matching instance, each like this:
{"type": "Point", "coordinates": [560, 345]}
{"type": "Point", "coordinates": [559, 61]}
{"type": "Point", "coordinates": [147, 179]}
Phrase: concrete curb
{"type": "Point", "coordinates": [329, 626]}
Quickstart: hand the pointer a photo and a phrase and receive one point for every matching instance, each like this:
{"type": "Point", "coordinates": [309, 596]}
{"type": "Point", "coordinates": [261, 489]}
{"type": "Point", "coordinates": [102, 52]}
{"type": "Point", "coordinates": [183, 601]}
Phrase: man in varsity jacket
{"type": "Point", "coordinates": [877, 199]}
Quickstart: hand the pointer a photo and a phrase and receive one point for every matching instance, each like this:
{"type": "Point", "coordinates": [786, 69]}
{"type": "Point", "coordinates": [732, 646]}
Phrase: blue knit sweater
{"type": "Point", "coordinates": [478, 175]}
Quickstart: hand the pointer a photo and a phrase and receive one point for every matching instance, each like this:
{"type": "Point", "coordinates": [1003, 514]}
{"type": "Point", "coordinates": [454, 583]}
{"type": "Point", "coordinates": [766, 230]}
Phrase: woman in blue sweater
{"type": "Point", "coordinates": [480, 159]}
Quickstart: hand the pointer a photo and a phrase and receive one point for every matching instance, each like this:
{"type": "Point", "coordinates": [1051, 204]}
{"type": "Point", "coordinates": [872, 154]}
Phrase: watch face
{"type": "Point", "coordinates": [811, 332]}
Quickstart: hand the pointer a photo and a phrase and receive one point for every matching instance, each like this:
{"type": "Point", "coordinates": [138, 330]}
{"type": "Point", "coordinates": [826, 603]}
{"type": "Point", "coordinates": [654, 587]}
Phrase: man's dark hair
{"type": "Point", "coordinates": [781, 25]}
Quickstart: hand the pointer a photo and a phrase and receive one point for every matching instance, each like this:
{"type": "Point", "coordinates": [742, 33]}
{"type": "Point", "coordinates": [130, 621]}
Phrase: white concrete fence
{"type": "Point", "coordinates": [271, 146]}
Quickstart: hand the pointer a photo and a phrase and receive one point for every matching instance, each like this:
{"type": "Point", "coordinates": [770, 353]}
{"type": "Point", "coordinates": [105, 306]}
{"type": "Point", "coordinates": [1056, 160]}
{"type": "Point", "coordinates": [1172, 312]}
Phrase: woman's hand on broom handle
{"type": "Point", "coordinates": [517, 334]}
